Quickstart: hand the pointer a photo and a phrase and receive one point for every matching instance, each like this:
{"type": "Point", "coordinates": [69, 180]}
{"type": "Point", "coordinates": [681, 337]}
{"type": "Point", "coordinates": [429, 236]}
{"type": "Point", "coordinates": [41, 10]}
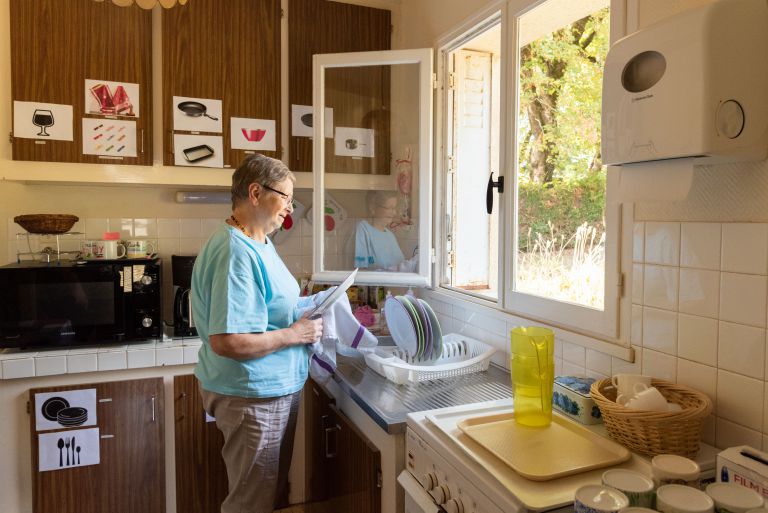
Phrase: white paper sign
{"type": "Point", "coordinates": [196, 114]}
{"type": "Point", "coordinates": [109, 137]}
{"type": "Point", "coordinates": [301, 121]}
{"type": "Point", "coordinates": [44, 121]}
{"type": "Point", "coordinates": [253, 134]}
{"type": "Point", "coordinates": [198, 150]}
{"type": "Point", "coordinates": [111, 98]}
{"type": "Point", "coordinates": [69, 408]}
{"type": "Point", "coordinates": [61, 450]}
{"type": "Point", "coordinates": [353, 142]}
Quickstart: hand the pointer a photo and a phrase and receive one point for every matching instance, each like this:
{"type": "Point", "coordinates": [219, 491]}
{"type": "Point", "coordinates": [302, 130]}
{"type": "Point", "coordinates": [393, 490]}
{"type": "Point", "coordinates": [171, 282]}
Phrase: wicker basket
{"type": "Point", "coordinates": [655, 432]}
{"type": "Point", "coordinates": [46, 223]}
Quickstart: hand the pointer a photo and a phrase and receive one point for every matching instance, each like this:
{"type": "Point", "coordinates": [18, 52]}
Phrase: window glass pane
{"type": "Point", "coordinates": [560, 202]}
{"type": "Point", "coordinates": [375, 111]}
{"type": "Point", "coordinates": [472, 129]}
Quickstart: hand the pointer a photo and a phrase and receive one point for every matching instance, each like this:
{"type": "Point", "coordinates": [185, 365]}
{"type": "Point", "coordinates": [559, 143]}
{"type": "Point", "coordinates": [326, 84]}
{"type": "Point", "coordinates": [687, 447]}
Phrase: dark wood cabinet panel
{"type": "Point", "coordinates": [343, 466]}
{"type": "Point", "coordinates": [201, 477]}
{"type": "Point", "coordinates": [56, 46]}
{"type": "Point", "coordinates": [360, 97]}
{"type": "Point", "coordinates": [131, 474]}
{"type": "Point", "coordinates": [228, 51]}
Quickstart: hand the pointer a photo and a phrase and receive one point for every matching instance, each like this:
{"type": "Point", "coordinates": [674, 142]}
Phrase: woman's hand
{"type": "Point", "coordinates": [307, 330]}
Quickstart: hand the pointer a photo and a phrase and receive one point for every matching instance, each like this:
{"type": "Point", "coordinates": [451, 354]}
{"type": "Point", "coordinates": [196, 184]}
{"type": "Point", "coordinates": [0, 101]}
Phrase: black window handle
{"type": "Point", "coordinates": [489, 191]}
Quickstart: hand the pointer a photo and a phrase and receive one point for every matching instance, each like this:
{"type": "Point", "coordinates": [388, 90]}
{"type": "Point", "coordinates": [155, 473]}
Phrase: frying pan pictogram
{"type": "Point", "coordinates": [195, 110]}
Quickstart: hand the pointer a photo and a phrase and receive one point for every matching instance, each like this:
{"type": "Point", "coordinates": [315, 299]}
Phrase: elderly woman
{"type": "Point", "coordinates": [253, 362]}
{"type": "Point", "coordinates": [375, 245]}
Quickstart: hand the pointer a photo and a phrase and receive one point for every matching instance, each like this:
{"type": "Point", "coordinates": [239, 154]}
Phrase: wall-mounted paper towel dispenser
{"type": "Point", "coordinates": [693, 85]}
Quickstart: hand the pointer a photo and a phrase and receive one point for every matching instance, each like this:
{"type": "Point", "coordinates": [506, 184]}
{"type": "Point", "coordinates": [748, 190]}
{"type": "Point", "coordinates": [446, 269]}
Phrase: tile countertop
{"type": "Point", "coordinates": [16, 363]}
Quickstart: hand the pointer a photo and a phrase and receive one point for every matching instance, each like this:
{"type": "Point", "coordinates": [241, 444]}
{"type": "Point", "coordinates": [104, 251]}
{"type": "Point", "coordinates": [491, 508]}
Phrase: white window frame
{"type": "Point", "coordinates": [603, 324]}
{"type": "Point", "coordinates": [422, 57]}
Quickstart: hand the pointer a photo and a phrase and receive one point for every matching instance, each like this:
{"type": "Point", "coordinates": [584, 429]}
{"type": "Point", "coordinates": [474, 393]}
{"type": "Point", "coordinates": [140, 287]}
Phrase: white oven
{"type": "Point", "coordinates": [445, 471]}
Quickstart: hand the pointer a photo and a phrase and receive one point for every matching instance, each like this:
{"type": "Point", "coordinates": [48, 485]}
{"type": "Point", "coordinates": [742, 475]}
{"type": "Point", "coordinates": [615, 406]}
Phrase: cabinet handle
{"type": "Point", "coordinates": [330, 434]}
{"type": "Point", "coordinates": [153, 408]}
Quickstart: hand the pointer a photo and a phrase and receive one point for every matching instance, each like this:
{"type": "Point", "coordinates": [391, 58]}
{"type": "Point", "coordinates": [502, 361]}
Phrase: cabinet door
{"type": "Point", "coordinates": [316, 27]}
{"type": "Point", "coordinates": [131, 474]}
{"type": "Point", "coordinates": [56, 46]}
{"type": "Point", "coordinates": [391, 242]}
{"type": "Point", "coordinates": [201, 477]}
{"type": "Point", "coordinates": [318, 421]}
{"type": "Point", "coordinates": [227, 51]}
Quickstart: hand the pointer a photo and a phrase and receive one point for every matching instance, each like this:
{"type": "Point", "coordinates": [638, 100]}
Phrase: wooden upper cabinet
{"type": "Point", "coordinates": [223, 50]}
{"type": "Point", "coordinates": [360, 98]}
{"type": "Point", "coordinates": [56, 46]}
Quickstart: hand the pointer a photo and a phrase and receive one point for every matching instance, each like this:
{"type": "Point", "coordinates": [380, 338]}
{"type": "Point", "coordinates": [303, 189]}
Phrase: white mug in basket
{"type": "Point", "coordinates": [648, 399]}
{"type": "Point", "coordinates": [638, 387]}
{"type": "Point", "coordinates": [625, 383]}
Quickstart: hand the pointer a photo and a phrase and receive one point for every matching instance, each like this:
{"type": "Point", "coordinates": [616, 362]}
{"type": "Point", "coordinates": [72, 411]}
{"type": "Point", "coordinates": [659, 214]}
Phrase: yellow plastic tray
{"type": "Point", "coordinates": [540, 454]}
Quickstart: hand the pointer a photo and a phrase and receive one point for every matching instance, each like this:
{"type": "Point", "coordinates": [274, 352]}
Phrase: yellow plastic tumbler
{"type": "Point", "coordinates": [532, 363]}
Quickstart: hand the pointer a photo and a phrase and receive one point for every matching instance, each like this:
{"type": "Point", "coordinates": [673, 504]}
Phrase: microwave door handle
{"type": "Point", "coordinates": [191, 320]}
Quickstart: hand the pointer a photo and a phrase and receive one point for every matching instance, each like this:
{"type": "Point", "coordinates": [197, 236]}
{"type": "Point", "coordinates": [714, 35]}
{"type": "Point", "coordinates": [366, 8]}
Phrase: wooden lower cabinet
{"type": "Point", "coordinates": [130, 475]}
{"type": "Point", "coordinates": [343, 466]}
{"type": "Point", "coordinates": [201, 477]}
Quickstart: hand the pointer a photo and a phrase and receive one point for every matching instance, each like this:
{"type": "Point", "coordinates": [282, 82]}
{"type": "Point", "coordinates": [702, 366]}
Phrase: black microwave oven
{"type": "Point", "coordinates": [62, 304]}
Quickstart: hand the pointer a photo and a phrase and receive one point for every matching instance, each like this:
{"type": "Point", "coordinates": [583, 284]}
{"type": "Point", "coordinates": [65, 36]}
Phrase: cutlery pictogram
{"type": "Point", "coordinates": [67, 444]}
{"type": "Point", "coordinates": [60, 444]}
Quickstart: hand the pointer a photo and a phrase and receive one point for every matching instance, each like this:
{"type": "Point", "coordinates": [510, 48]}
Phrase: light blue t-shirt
{"type": "Point", "coordinates": [376, 248]}
{"type": "Point", "coordinates": [242, 286]}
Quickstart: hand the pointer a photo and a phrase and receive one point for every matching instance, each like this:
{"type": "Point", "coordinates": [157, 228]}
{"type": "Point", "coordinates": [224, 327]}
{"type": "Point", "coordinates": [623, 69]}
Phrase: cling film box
{"type": "Point", "coordinates": [571, 397]}
{"type": "Point", "coordinates": [745, 466]}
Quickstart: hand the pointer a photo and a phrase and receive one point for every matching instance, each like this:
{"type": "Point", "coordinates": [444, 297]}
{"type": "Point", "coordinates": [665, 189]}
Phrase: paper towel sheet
{"type": "Point", "coordinates": [657, 181]}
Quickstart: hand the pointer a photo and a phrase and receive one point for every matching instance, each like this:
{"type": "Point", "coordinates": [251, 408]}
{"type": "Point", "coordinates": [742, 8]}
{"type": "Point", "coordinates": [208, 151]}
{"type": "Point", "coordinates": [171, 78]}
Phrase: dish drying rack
{"type": "Point", "coordinates": [52, 252]}
{"type": "Point", "coordinates": [461, 355]}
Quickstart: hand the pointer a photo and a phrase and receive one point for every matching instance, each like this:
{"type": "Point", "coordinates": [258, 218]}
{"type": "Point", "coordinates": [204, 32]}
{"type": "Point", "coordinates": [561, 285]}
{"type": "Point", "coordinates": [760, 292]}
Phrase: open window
{"type": "Point", "coordinates": [381, 109]}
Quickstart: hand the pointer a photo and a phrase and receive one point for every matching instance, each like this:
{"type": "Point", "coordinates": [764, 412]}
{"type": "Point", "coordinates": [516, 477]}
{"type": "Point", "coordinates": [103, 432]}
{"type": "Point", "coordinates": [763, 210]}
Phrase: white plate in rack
{"type": "Point", "coordinates": [401, 326]}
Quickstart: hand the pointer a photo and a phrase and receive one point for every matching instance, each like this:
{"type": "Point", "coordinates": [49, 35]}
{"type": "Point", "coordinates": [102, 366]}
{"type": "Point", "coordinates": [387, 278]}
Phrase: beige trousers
{"type": "Point", "coordinates": [258, 444]}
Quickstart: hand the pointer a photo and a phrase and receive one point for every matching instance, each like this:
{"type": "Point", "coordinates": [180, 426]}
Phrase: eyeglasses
{"type": "Point", "coordinates": [288, 200]}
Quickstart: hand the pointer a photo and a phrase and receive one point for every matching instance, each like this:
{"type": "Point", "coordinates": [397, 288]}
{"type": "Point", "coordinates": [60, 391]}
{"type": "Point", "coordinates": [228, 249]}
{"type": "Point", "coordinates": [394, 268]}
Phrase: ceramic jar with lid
{"type": "Point", "coordinates": [672, 469]}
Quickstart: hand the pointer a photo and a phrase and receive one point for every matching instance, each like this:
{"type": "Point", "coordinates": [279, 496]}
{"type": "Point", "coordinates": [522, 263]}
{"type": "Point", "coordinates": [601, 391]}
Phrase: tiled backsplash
{"type": "Point", "coordinates": [699, 304]}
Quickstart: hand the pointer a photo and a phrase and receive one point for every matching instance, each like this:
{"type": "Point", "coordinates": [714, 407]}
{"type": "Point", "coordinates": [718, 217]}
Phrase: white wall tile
{"type": "Point", "coordinates": [124, 225]}
{"type": "Point", "coordinates": [619, 365]}
{"type": "Point", "coordinates": [660, 286]}
{"type": "Point", "coordinates": [190, 354]}
{"type": "Point", "coordinates": [636, 331]}
{"type": "Point", "coordinates": [50, 365]}
{"type": "Point", "coordinates": [95, 227]}
{"type": "Point", "coordinates": [660, 330]}
{"type": "Point", "coordinates": [730, 434]}
{"type": "Point", "coordinates": [18, 368]}
{"type": "Point", "coordinates": [85, 362]}
{"type": "Point", "coordinates": [699, 292]}
{"type": "Point", "coordinates": [189, 246]}
{"type": "Point", "coordinates": [598, 362]}
{"type": "Point", "coordinates": [743, 298]}
{"type": "Point", "coordinates": [571, 369]}
{"type": "Point", "coordinates": [697, 339]}
{"type": "Point", "coordinates": [745, 248]}
{"type": "Point", "coordinates": [208, 225]}
{"type": "Point", "coordinates": [637, 283]}
{"type": "Point", "coordinates": [740, 399]}
{"type": "Point", "coordinates": [113, 360]}
{"type": "Point", "coordinates": [168, 228]}
{"type": "Point", "coordinates": [575, 354]}
{"type": "Point", "coordinates": [662, 243]}
{"type": "Point", "coordinates": [169, 355]}
{"type": "Point", "coordinates": [638, 242]}
{"type": "Point", "coordinates": [141, 358]}
{"type": "Point", "coordinates": [697, 376]}
{"type": "Point", "coordinates": [659, 365]}
{"type": "Point", "coordinates": [741, 349]}
{"type": "Point", "coordinates": [168, 247]}
{"type": "Point", "coordinates": [708, 430]}
{"type": "Point", "coordinates": [190, 228]}
{"type": "Point", "coordinates": [700, 245]}
{"type": "Point", "coordinates": [145, 228]}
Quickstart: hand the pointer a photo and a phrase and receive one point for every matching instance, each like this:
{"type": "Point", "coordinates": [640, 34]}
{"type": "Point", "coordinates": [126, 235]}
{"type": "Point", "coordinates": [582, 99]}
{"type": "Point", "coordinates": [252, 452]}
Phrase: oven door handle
{"type": "Point", "coordinates": [418, 494]}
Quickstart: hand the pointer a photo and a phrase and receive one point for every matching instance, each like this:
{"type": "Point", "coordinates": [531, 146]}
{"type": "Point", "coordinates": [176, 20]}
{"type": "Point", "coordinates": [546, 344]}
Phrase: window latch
{"type": "Point", "coordinates": [489, 191]}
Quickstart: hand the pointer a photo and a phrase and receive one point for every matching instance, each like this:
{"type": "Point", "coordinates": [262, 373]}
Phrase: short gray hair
{"type": "Point", "coordinates": [378, 197]}
{"type": "Point", "coordinates": [259, 169]}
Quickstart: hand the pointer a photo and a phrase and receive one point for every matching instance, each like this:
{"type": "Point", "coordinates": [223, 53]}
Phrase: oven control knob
{"type": "Point", "coordinates": [454, 506]}
{"type": "Point", "coordinates": [430, 480]}
{"type": "Point", "coordinates": [146, 321]}
{"type": "Point", "coordinates": [440, 493]}
{"type": "Point", "coordinates": [146, 280]}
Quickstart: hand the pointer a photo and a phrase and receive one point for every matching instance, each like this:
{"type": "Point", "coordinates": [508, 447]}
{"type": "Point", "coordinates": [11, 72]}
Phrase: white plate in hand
{"type": "Point", "coordinates": [401, 326]}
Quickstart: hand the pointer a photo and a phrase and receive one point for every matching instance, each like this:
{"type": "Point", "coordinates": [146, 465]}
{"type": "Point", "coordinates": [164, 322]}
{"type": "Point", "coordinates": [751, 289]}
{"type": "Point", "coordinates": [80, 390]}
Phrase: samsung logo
{"type": "Point", "coordinates": [638, 98]}
{"type": "Point", "coordinates": [65, 333]}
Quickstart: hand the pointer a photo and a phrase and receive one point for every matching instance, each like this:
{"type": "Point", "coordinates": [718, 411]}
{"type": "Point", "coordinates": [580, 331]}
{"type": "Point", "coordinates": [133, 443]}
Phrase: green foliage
{"type": "Point", "coordinates": [559, 207]}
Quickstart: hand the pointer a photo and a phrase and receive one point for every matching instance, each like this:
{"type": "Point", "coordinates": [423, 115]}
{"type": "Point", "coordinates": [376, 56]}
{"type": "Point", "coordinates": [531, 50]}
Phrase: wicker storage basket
{"type": "Point", "coordinates": [46, 223]}
{"type": "Point", "coordinates": [655, 432]}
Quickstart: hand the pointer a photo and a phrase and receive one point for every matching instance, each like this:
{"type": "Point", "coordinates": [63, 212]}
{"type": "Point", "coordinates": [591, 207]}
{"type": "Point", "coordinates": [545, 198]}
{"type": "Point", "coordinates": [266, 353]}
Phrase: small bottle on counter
{"type": "Point", "coordinates": [673, 469]}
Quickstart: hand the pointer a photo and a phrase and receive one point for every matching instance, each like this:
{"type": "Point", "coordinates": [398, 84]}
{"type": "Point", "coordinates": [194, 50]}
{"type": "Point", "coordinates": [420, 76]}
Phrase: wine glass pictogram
{"type": "Point", "coordinates": [43, 119]}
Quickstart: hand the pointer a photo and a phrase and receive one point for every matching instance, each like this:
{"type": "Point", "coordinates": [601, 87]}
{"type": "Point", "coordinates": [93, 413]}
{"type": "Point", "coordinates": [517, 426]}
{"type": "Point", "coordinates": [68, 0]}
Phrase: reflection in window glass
{"type": "Point", "coordinates": [375, 113]}
{"type": "Point", "coordinates": [560, 177]}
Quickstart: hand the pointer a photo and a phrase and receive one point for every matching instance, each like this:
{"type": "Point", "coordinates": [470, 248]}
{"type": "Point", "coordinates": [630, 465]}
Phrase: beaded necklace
{"type": "Point", "coordinates": [241, 227]}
